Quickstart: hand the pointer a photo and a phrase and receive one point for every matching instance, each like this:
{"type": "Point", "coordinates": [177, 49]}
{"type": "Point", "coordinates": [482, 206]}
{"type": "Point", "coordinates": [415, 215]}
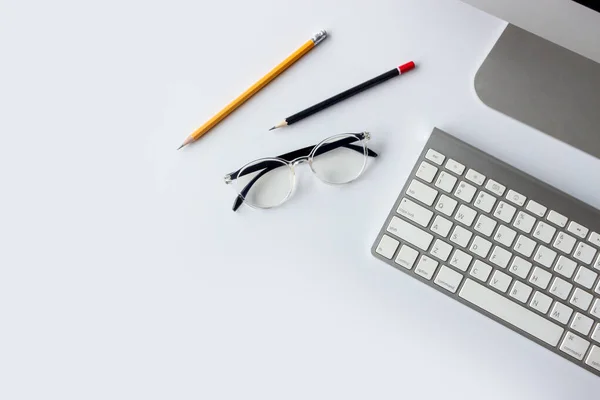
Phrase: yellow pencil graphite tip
{"type": "Point", "coordinates": [182, 146]}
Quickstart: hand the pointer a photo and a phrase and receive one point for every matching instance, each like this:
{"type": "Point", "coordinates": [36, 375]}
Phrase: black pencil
{"type": "Point", "coordinates": [344, 95]}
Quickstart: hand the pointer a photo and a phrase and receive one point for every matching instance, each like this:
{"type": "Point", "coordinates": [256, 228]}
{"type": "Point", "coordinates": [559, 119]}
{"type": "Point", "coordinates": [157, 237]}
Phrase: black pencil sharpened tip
{"type": "Point", "coordinates": [273, 128]}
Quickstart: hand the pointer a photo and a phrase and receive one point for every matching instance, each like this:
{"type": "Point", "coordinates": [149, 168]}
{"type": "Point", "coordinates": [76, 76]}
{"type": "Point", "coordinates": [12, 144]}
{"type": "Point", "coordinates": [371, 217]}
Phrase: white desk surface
{"type": "Point", "coordinates": [124, 274]}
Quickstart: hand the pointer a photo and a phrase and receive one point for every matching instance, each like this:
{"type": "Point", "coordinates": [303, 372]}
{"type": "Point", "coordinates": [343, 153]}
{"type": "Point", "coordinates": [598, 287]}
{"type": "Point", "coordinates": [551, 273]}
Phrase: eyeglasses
{"type": "Point", "coordinates": [269, 182]}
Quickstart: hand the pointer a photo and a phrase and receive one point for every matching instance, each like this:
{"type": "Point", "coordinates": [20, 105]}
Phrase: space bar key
{"type": "Point", "coordinates": [511, 312]}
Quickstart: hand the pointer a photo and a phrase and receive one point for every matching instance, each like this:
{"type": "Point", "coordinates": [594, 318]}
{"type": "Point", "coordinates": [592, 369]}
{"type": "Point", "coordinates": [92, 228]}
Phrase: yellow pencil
{"type": "Point", "coordinates": [285, 64]}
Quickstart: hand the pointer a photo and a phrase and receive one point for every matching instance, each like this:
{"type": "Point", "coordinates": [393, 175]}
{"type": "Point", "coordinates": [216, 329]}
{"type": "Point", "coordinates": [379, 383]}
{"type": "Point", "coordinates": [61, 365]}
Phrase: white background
{"type": "Point", "coordinates": [124, 274]}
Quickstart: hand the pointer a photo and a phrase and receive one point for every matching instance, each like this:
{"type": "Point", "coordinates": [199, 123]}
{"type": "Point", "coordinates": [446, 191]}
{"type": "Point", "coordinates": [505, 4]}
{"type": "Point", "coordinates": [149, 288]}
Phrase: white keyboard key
{"type": "Point", "coordinates": [500, 281]}
{"type": "Point", "coordinates": [480, 246]}
{"type": "Point", "coordinates": [410, 233]}
{"type": "Point", "coordinates": [598, 288]}
{"type": "Point", "coordinates": [524, 246]}
{"type": "Point", "coordinates": [460, 236]}
{"type": "Point", "coordinates": [536, 208]}
{"type": "Point", "coordinates": [455, 167]}
{"type": "Point", "coordinates": [481, 270]}
{"type": "Point", "coordinates": [441, 250]}
{"type": "Point", "coordinates": [540, 278]}
{"type": "Point", "coordinates": [461, 260]}
{"type": "Point", "coordinates": [441, 226]}
{"type": "Point", "coordinates": [505, 212]}
{"type": "Point", "coordinates": [495, 187]}
{"type": "Point", "coordinates": [505, 235]}
{"type": "Point", "coordinates": [574, 346]}
{"type": "Point", "coordinates": [565, 266]}
{"type": "Point", "coordinates": [475, 177]}
{"type": "Point", "coordinates": [516, 198]}
{"type": "Point", "coordinates": [595, 310]}
{"type": "Point", "coordinates": [564, 242]}
{"type": "Point", "coordinates": [511, 312]}
{"type": "Point", "coordinates": [435, 156]}
{"type": "Point", "coordinates": [593, 359]}
{"type": "Point", "coordinates": [585, 253]}
{"type": "Point", "coordinates": [582, 324]}
{"type": "Point", "coordinates": [414, 212]}
{"type": "Point", "coordinates": [448, 279]}
{"type": "Point", "coordinates": [544, 232]}
{"type": "Point", "coordinates": [557, 219]}
{"type": "Point", "coordinates": [485, 225]}
{"type": "Point", "coordinates": [446, 205]}
{"type": "Point", "coordinates": [585, 277]}
{"type": "Point", "coordinates": [387, 247]}
{"type": "Point", "coordinates": [596, 334]}
{"type": "Point", "coordinates": [465, 191]}
{"type": "Point", "coordinates": [500, 257]}
{"type": "Point", "coordinates": [524, 222]}
{"type": "Point", "coordinates": [520, 267]}
{"type": "Point", "coordinates": [427, 172]}
{"type": "Point", "coordinates": [578, 229]}
{"type": "Point", "coordinates": [426, 267]}
{"type": "Point", "coordinates": [545, 256]}
{"type": "Point", "coordinates": [446, 182]}
{"type": "Point", "coordinates": [520, 291]}
{"type": "Point", "coordinates": [465, 215]}
{"type": "Point", "coordinates": [485, 202]}
{"type": "Point", "coordinates": [597, 263]}
{"type": "Point", "coordinates": [594, 239]}
{"type": "Point", "coordinates": [581, 299]}
{"type": "Point", "coordinates": [406, 257]}
{"type": "Point", "coordinates": [561, 313]}
{"type": "Point", "coordinates": [421, 192]}
{"type": "Point", "coordinates": [541, 302]}
{"type": "Point", "coordinates": [561, 288]}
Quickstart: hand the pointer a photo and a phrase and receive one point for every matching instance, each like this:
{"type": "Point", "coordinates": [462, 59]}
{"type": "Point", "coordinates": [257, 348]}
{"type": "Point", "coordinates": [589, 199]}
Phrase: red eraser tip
{"type": "Point", "coordinates": [406, 67]}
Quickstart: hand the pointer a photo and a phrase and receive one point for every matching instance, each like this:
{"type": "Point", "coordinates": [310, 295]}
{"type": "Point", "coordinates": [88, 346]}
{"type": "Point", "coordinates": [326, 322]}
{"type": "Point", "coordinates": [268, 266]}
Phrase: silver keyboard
{"type": "Point", "coordinates": [501, 242]}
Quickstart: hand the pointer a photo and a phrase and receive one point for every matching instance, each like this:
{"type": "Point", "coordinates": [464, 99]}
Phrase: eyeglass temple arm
{"type": "Point", "coordinates": [240, 197]}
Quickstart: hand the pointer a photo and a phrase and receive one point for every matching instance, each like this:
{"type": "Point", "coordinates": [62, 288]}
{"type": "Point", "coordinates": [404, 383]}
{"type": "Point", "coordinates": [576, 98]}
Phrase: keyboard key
{"type": "Point", "coordinates": [427, 172]}
{"type": "Point", "coordinates": [594, 239]}
{"type": "Point", "coordinates": [524, 246]}
{"type": "Point", "coordinates": [520, 291]}
{"type": "Point", "coordinates": [426, 267]}
{"type": "Point", "coordinates": [441, 226]}
{"type": "Point", "coordinates": [500, 281]}
{"type": "Point", "coordinates": [544, 232]}
{"type": "Point", "coordinates": [545, 256]}
{"type": "Point", "coordinates": [505, 212]}
{"type": "Point", "coordinates": [485, 202]}
{"type": "Point", "coordinates": [455, 167]}
{"type": "Point", "coordinates": [465, 191]}
{"type": "Point", "coordinates": [511, 312]}
{"type": "Point", "coordinates": [500, 257]}
{"type": "Point", "coordinates": [475, 177]}
{"type": "Point", "coordinates": [480, 270]}
{"type": "Point", "coordinates": [565, 267]}
{"type": "Point", "coordinates": [441, 250]}
{"type": "Point", "coordinates": [595, 310]}
{"type": "Point", "coordinates": [414, 212]}
{"type": "Point", "coordinates": [541, 302]}
{"type": "Point", "coordinates": [585, 253]}
{"type": "Point", "coordinates": [448, 279]}
{"type": "Point", "coordinates": [446, 205]}
{"type": "Point", "coordinates": [446, 182]}
{"type": "Point", "coordinates": [585, 277]}
{"type": "Point", "coordinates": [578, 229]}
{"type": "Point", "coordinates": [540, 278]}
{"type": "Point", "coordinates": [516, 198]}
{"type": "Point", "coordinates": [582, 324]}
{"type": "Point", "coordinates": [495, 187]}
{"type": "Point", "coordinates": [485, 225]}
{"type": "Point", "coordinates": [480, 246]}
{"type": "Point", "coordinates": [581, 299]}
{"type": "Point", "coordinates": [524, 222]}
{"type": "Point", "coordinates": [560, 288]}
{"type": "Point", "coordinates": [564, 242]}
{"type": "Point", "coordinates": [505, 235]}
{"type": "Point", "coordinates": [596, 334]}
{"type": "Point", "coordinates": [410, 233]}
{"type": "Point", "coordinates": [536, 208]}
{"type": "Point", "coordinates": [561, 313]}
{"type": "Point", "coordinates": [593, 359]}
{"type": "Point", "coordinates": [387, 246]}
{"type": "Point", "coordinates": [461, 260]}
{"type": "Point", "coordinates": [406, 257]}
{"type": "Point", "coordinates": [520, 267]}
{"type": "Point", "coordinates": [460, 236]}
{"type": "Point", "coordinates": [574, 346]}
{"type": "Point", "coordinates": [557, 219]}
{"type": "Point", "coordinates": [421, 192]}
{"type": "Point", "coordinates": [435, 156]}
{"type": "Point", "coordinates": [465, 215]}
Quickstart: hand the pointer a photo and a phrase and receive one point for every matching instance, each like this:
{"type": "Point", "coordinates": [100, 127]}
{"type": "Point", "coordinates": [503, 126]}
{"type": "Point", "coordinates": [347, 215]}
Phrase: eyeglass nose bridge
{"type": "Point", "coordinates": [299, 160]}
